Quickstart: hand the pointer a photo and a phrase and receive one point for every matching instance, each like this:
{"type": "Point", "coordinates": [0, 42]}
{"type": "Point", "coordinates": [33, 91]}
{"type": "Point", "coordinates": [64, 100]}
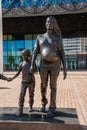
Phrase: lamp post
{"type": "Point", "coordinates": [1, 46]}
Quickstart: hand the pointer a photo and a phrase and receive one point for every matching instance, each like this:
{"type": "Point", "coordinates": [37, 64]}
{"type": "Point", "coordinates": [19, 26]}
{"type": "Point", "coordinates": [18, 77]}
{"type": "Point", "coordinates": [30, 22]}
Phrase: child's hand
{"type": "Point", "coordinates": [9, 79]}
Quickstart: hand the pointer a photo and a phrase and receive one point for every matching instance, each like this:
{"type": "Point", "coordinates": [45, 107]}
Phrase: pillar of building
{"type": "Point", "coordinates": [1, 41]}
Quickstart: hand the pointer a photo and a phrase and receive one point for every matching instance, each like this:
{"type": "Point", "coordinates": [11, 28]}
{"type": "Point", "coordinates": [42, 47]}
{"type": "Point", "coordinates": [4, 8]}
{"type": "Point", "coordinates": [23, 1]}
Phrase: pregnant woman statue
{"type": "Point", "coordinates": [49, 46]}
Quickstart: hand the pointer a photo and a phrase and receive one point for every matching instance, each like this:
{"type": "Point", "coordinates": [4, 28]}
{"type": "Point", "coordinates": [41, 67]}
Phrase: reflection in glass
{"type": "Point", "coordinates": [12, 48]}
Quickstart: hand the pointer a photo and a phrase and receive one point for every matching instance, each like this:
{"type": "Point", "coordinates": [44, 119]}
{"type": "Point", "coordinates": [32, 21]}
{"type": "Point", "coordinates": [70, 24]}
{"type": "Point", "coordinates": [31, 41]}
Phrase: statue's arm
{"type": "Point", "coordinates": [35, 52]}
{"type": "Point", "coordinates": [3, 77]}
{"type": "Point", "coordinates": [18, 72]}
{"type": "Point", "coordinates": [62, 56]}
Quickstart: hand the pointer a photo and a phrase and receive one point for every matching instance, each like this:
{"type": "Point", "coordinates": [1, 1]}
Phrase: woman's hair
{"type": "Point", "coordinates": [56, 30]}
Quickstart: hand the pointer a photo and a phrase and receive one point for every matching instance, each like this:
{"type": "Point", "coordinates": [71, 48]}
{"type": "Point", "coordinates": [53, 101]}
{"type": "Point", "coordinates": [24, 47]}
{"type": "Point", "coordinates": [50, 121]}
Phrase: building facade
{"type": "Point", "coordinates": [76, 53]}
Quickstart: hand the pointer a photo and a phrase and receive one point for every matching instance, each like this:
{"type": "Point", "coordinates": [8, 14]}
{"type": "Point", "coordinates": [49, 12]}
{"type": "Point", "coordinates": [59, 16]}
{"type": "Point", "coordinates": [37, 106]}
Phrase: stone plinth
{"type": "Point", "coordinates": [65, 119]}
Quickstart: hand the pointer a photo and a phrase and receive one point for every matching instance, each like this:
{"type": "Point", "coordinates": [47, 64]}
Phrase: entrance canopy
{"type": "Point", "coordinates": [16, 8]}
{"type": "Point", "coordinates": [21, 16]}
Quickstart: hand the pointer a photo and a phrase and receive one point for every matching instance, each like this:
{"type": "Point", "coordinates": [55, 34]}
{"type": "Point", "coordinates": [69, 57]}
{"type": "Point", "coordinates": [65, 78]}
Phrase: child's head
{"type": "Point", "coordinates": [26, 54]}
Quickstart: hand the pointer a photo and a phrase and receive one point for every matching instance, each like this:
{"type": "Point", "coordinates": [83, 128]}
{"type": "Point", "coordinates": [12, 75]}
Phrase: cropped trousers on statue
{"type": "Point", "coordinates": [24, 87]}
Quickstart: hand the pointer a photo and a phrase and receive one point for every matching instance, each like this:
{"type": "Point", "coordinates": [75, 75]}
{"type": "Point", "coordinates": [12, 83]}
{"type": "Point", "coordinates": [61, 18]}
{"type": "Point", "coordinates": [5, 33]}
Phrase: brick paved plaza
{"type": "Point", "coordinates": [71, 93]}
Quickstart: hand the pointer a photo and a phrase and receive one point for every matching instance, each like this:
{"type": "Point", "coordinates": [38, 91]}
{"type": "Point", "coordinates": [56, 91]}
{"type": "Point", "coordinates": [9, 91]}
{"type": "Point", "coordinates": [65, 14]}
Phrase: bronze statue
{"type": "Point", "coordinates": [28, 81]}
{"type": "Point", "coordinates": [49, 46]}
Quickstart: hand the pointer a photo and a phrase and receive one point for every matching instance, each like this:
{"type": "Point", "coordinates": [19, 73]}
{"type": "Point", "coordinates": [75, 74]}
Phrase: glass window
{"type": "Point", "coordinates": [5, 48]}
{"type": "Point", "coordinates": [28, 41]}
{"type": "Point", "coordinates": [5, 60]}
{"type": "Point", "coordinates": [35, 36]}
{"type": "Point", "coordinates": [9, 37]}
{"type": "Point", "coordinates": [28, 44]}
{"type": "Point", "coordinates": [17, 60]}
{"type": "Point", "coordinates": [5, 37]}
{"type": "Point", "coordinates": [11, 48]}
{"type": "Point", "coordinates": [19, 46]}
{"type": "Point", "coordinates": [28, 37]}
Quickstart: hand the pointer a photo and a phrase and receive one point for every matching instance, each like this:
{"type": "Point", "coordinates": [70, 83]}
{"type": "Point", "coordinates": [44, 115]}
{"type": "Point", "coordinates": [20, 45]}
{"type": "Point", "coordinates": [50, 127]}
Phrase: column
{"type": "Point", "coordinates": [1, 40]}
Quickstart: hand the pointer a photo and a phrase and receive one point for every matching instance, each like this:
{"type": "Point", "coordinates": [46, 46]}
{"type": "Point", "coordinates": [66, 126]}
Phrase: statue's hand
{"type": "Point", "coordinates": [64, 74]}
{"type": "Point", "coordinates": [9, 79]}
{"type": "Point", "coordinates": [31, 69]}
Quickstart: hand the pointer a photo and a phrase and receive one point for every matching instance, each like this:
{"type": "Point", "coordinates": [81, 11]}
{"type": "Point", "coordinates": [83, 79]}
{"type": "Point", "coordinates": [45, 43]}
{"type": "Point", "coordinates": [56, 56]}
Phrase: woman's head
{"type": "Point", "coordinates": [51, 24]}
